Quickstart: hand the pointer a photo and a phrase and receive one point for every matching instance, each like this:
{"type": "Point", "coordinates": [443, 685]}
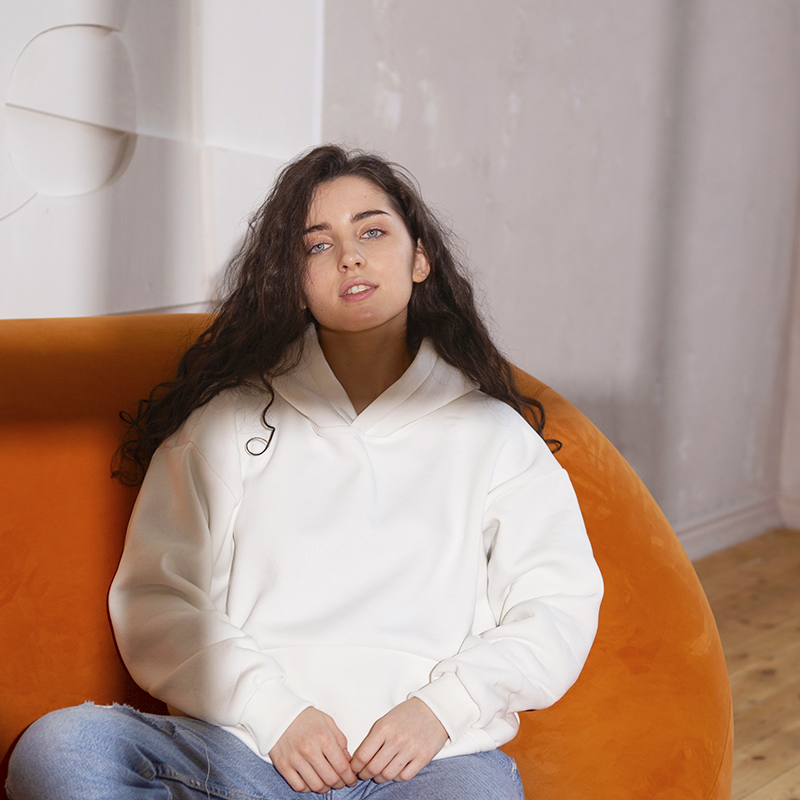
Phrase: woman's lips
{"type": "Point", "coordinates": [356, 289]}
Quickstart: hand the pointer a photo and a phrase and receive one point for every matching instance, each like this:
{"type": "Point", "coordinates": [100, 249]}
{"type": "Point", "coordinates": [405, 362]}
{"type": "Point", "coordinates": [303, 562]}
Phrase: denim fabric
{"type": "Point", "coordinates": [96, 753]}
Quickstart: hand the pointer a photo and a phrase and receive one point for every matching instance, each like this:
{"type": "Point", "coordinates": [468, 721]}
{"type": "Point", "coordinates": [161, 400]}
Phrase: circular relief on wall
{"type": "Point", "coordinates": [71, 110]}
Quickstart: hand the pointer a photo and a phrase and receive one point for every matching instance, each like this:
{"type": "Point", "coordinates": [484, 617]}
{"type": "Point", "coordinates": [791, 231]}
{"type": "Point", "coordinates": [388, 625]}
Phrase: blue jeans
{"type": "Point", "coordinates": [98, 753]}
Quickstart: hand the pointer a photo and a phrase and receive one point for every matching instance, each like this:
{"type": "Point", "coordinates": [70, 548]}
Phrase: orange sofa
{"type": "Point", "coordinates": [649, 719]}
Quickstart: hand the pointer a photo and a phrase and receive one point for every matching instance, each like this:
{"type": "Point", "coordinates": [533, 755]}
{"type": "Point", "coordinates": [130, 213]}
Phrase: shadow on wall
{"type": "Point", "coordinates": [638, 423]}
{"type": "Point", "coordinates": [702, 423]}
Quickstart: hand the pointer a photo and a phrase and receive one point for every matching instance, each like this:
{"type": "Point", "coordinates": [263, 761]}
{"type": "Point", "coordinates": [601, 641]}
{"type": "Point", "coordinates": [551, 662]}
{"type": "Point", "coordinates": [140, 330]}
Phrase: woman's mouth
{"type": "Point", "coordinates": [357, 290]}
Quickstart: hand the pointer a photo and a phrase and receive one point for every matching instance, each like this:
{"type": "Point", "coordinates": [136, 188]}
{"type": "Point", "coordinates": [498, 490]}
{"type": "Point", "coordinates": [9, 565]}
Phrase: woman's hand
{"type": "Point", "coordinates": [312, 754]}
{"type": "Point", "coordinates": [399, 744]}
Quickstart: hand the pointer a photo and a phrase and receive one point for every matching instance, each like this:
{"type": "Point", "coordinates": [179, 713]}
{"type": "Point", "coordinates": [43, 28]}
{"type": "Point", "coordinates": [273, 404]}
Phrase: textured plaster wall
{"type": "Point", "coordinates": [625, 176]}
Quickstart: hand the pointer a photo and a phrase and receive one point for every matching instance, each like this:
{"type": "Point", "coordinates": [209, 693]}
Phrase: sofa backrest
{"type": "Point", "coordinates": [650, 716]}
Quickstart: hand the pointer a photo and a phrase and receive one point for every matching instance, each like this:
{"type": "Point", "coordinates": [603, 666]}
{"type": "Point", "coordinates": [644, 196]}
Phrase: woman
{"type": "Point", "coordinates": [348, 539]}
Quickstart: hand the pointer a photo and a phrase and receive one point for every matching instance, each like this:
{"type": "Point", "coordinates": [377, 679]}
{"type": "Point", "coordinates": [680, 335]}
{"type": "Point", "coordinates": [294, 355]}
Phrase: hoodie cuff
{"type": "Point", "coordinates": [452, 704]}
{"type": "Point", "coordinates": [271, 710]}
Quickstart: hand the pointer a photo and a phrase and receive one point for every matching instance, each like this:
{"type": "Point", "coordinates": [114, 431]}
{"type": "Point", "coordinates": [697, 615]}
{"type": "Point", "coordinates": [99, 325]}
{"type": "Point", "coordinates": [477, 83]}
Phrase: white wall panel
{"type": "Point", "coordinates": [65, 157]}
{"type": "Point", "coordinates": [239, 181]}
{"type": "Point", "coordinates": [52, 250]}
{"type": "Point", "coordinates": [79, 72]}
{"type": "Point", "coordinates": [153, 238]}
{"type": "Point", "coordinates": [155, 223]}
{"type": "Point", "coordinates": [163, 42]}
{"type": "Point", "coordinates": [259, 89]}
{"type": "Point", "coordinates": [134, 139]}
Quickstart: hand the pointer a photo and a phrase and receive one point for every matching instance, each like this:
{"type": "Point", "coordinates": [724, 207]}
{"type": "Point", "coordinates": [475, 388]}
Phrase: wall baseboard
{"type": "Point", "coordinates": [707, 534]}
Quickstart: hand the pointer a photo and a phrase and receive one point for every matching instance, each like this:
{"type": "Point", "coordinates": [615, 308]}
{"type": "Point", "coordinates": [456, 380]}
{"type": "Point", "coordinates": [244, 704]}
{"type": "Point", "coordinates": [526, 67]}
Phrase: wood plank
{"type": "Point", "coordinates": [783, 787]}
{"type": "Point", "coordinates": [763, 679]}
{"type": "Point", "coordinates": [764, 647]}
{"type": "Point", "coordinates": [780, 710]}
{"type": "Point", "coordinates": [743, 551]}
{"type": "Point", "coordinates": [757, 765]}
{"type": "Point", "coordinates": [721, 572]}
{"type": "Point", "coordinates": [758, 576]}
{"type": "Point", "coordinates": [754, 591]}
{"type": "Point", "coordinates": [756, 612]}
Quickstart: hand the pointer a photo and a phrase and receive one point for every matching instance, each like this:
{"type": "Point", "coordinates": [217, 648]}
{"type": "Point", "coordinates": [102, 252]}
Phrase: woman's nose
{"type": "Point", "coordinates": [351, 257]}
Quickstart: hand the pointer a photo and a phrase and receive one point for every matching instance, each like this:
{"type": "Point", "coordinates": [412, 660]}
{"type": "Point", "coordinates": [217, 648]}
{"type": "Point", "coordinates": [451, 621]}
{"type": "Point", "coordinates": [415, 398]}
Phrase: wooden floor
{"type": "Point", "coordinates": [754, 590]}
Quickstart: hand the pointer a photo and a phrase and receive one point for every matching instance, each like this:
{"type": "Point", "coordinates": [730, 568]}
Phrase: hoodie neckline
{"type": "Point", "coordinates": [314, 390]}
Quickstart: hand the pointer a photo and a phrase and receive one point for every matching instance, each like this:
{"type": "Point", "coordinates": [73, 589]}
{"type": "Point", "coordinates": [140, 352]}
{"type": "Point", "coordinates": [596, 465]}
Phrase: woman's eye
{"type": "Point", "coordinates": [320, 247]}
{"type": "Point", "coordinates": [372, 233]}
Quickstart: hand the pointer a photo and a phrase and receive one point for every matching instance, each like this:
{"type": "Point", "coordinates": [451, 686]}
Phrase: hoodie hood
{"type": "Point", "coordinates": [427, 385]}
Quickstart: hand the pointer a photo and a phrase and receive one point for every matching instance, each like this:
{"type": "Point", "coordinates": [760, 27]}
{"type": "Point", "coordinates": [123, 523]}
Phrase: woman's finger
{"type": "Point", "coordinates": [292, 777]}
{"type": "Point", "coordinates": [312, 779]}
{"type": "Point", "coordinates": [393, 771]}
{"type": "Point", "coordinates": [365, 752]}
{"type": "Point", "coordinates": [378, 763]}
{"type": "Point", "coordinates": [339, 763]}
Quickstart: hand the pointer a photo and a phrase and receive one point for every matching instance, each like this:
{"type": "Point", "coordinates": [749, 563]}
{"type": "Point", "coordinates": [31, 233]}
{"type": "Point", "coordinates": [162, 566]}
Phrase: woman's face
{"type": "Point", "coordinates": [361, 261]}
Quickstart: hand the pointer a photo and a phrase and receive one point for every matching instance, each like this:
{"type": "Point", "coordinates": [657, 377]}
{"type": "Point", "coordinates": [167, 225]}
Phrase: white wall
{"type": "Point", "coordinates": [624, 175]}
{"type": "Point", "coordinates": [135, 138]}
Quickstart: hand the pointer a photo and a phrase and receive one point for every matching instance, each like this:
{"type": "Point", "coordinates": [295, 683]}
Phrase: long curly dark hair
{"type": "Point", "coordinates": [263, 311]}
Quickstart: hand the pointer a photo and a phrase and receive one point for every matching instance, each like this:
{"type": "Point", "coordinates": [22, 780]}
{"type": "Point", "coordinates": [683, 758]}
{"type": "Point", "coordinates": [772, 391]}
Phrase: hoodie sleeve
{"type": "Point", "coordinates": [167, 601]}
{"type": "Point", "coordinates": [544, 589]}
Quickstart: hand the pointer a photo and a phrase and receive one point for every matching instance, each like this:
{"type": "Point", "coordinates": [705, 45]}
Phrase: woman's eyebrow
{"type": "Point", "coordinates": [371, 213]}
{"type": "Point", "coordinates": [324, 226]}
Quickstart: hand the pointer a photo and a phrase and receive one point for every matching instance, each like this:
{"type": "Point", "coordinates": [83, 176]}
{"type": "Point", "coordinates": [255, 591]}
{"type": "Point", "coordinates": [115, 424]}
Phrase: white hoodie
{"type": "Point", "coordinates": [428, 547]}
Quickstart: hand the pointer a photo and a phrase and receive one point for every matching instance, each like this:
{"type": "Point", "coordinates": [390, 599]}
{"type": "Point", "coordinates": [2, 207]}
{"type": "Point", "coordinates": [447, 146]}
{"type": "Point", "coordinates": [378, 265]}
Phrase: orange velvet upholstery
{"type": "Point", "coordinates": [649, 719]}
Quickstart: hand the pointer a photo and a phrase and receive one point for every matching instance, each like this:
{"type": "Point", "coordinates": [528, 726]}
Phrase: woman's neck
{"type": "Point", "coordinates": [366, 363]}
